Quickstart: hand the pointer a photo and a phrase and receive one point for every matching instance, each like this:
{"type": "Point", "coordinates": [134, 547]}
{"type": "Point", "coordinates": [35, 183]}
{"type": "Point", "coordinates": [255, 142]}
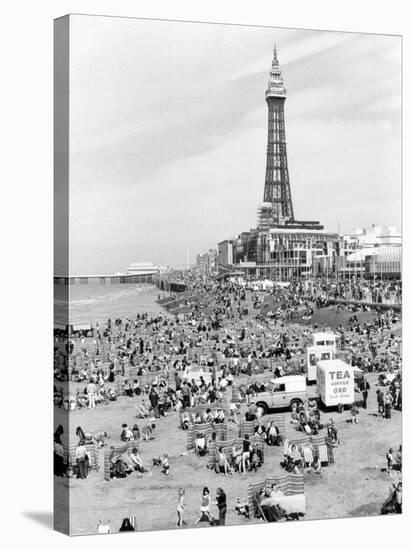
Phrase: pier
{"type": "Point", "coordinates": [106, 279]}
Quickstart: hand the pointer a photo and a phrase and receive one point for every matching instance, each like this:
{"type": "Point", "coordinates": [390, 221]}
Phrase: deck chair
{"type": "Point", "coordinates": [141, 411]}
{"type": "Point", "coordinates": [307, 455]}
{"type": "Point", "coordinates": [259, 507]}
{"type": "Point", "coordinates": [323, 454]}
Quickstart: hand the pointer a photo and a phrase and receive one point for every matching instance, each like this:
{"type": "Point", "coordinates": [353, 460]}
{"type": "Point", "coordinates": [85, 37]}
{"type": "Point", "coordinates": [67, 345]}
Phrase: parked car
{"type": "Point", "coordinates": [283, 392]}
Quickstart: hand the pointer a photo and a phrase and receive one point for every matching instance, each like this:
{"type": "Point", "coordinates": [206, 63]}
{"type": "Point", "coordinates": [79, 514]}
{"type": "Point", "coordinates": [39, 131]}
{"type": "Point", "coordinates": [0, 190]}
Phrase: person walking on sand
{"type": "Point", "coordinates": [91, 392]}
{"type": "Point", "coordinates": [364, 388]}
{"type": "Point", "coordinates": [388, 400]}
{"type": "Point", "coordinates": [379, 399]}
{"type": "Point", "coordinates": [205, 507]}
{"type": "Point", "coordinates": [180, 508]}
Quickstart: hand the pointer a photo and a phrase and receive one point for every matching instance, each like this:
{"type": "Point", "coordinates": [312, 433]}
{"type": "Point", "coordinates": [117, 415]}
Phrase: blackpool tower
{"type": "Point", "coordinates": [277, 208]}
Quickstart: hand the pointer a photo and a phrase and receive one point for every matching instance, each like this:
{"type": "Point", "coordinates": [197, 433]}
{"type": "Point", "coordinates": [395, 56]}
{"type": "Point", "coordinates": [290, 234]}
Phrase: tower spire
{"type": "Point", "coordinates": [275, 62]}
{"type": "Point", "coordinates": [276, 87]}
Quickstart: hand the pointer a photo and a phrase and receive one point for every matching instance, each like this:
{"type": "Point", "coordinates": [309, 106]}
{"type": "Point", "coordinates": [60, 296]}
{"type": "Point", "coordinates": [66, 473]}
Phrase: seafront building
{"type": "Point", "coordinates": [207, 262]}
{"type": "Point", "coordinates": [374, 252]}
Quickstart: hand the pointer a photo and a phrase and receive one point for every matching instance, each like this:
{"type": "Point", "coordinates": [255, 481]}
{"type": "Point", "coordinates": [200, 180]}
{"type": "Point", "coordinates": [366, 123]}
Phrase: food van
{"type": "Point", "coordinates": [335, 382]}
{"type": "Point", "coordinates": [315, 354]}
{"type": "Point", "coordinates": [324, 339]}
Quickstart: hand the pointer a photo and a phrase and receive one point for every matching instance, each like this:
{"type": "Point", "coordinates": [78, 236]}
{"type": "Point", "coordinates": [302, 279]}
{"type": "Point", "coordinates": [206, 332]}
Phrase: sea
{"type": "Point", "coordinates": [97, 302]}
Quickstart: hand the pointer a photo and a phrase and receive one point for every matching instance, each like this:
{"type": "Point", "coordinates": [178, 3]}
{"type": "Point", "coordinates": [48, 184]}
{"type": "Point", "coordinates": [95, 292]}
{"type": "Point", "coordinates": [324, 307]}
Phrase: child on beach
{"type": "Point", "coordinates": [355, 414]}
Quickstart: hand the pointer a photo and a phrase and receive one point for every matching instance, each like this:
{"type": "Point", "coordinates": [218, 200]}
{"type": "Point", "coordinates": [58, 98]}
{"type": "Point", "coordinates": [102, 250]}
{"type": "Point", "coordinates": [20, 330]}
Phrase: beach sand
{"type": "Point", "coordinates": [353, 486]}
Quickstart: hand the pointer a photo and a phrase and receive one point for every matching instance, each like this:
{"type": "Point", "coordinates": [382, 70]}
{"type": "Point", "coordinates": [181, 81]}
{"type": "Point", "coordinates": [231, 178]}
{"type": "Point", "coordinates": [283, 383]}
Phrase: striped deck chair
{"type": "Point", "coordinates": [323, 454]}
{"type": "Point", "coordinates": [307, 455]}
{"type": "Point", "coordinates": [141, 411]}
{"type": "Point", "coordinates": [247, 427]}
{"type": "Point", "coordinates": [289, 484]}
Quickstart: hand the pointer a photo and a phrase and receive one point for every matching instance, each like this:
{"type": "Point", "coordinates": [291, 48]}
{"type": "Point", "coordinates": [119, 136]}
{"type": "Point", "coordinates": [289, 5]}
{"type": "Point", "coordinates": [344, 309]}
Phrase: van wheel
{"type": "Point", "coordinates": [294, 402]}
{"type": "Point", "coordinates": [263, 407]}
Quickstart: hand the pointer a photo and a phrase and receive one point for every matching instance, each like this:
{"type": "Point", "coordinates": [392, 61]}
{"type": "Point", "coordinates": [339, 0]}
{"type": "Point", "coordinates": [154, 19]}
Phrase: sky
{"type": "Point", "coordinates": [168, 130]}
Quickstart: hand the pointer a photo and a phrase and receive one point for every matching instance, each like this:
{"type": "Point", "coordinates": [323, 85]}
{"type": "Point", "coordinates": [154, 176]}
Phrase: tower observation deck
{"type": "Point", "coordinates": [277, 207]}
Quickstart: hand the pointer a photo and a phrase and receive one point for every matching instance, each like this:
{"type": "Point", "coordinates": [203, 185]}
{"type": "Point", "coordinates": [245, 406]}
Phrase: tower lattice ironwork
{"type": "Point", "coordinates": [277, 207]}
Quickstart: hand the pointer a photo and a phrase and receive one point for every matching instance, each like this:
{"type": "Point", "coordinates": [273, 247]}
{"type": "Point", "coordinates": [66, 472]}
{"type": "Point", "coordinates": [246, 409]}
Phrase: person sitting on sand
{"type": "Point", "coordinates": [200, 444]}
{"type": "Point", "coordinates": [209, 416]}
{"type": "Point", "coordinates": [100, 438]}
{"type": "Point", "coordinates": [393, 504]}
{"type": "Point", "coordinates": [273, 435]}
{"type": "Point", "coordinates": [165, 464]}
{"type": "Point", "coordinates": [316, 466]}
{"type": "Point", "coordinates": [242, 508]}
{"type": "Point", "coordinates": [185, 420]}
{"type": "Point", "coordinates": [148, 431]}
{"type": "Point", "coordinates": [119, 468]}
{"type": "Point", "coordinates": [137, 462]}
{"type": "Point", "coordinates": [197, 419]}
{"type": "Point", "coordinates": [255, 458]}
{"type": "Point", "coordinates": [275, 491]}
{"type": "Point", "coordinates": [136, 387]}
{"type": "Point", "coordinates": [127, 388]}
{"type": "Point", "coordinates": [294, 455]}
{"type": "Point", "coordinates": [126, 433]}
{"type": "Point", "coordinates": [251, 412]}
{"type": "Point", "coordinates": [220, 416]}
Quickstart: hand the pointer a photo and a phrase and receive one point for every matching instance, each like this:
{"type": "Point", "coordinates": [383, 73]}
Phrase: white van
{"type": "Point", "coordinates": [325, 339]}
{"type": "Point", "coordinates": [283, 392]}
{"type": "Point", "coordinates": [335, 383]}
{"type": "Point", "coordinates": [315, 354]}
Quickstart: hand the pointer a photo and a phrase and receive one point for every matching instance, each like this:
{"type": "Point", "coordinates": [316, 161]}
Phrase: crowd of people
{"type": "Point", "coordinates": [225, 339]}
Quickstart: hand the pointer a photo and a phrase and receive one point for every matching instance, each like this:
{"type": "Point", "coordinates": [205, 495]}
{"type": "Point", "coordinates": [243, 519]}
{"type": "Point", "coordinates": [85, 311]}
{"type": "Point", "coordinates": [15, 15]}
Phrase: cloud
{"type": "Point", "coordinates": [169, 127]}
{"type": "Point", "coordinates": [305, 44]}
